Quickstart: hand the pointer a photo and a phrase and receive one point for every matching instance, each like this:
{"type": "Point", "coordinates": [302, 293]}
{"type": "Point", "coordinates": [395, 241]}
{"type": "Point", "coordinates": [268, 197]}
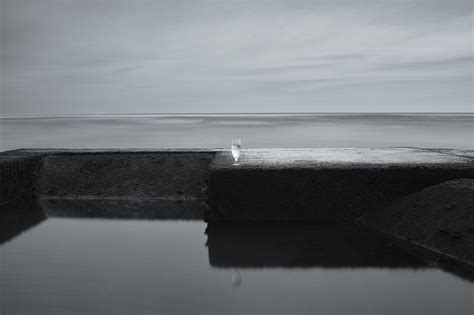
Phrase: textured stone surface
{"type": "Point", "coordinates": [439, 218]}
{"type": "Point", "coordinates": [18, 175]}
{"type": "Point", "coordinates": [271, 184]}
{"type": "Point", "coordinates": [324, 184]}
{"type": "Point", "coordinates": [343, 158]}
{"type": "Point", "coordinates": [158, 175]}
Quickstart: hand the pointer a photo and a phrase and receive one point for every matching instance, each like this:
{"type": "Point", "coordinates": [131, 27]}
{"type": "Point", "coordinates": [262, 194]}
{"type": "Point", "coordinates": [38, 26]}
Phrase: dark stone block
{"type": "Point", "coordinates": [422, 218]}
{"type": "Point", "coordinates": [125, 175]}
{"type": "Point", "coordinates": [18, 177]}
{"type": "Point", "coordinates": [324, 185]}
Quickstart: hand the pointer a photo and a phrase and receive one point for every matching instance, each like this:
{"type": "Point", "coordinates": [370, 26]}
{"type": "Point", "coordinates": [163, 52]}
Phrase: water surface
{"type": "Point", "coordinates": [102, 265]}
{"type": "Point", "coordinates": [255, 130]}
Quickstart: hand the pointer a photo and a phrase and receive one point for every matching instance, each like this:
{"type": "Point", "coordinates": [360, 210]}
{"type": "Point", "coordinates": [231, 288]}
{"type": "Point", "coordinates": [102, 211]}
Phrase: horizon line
{"type": "Point", "coordinates": [233, 114]}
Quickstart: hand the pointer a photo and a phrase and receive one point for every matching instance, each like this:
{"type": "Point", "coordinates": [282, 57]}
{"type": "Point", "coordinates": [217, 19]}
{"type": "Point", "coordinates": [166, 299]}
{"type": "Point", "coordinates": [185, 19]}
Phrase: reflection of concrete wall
{"type": "Point", "coordinates": [240, 245]}
{"type": "Point", "coordinates": [17, 217]}
{"type": "Point", "coordinates": [144, 209]}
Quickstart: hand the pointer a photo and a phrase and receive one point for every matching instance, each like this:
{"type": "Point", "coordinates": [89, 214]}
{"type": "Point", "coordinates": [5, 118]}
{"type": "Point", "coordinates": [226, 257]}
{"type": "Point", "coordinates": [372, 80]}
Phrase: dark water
{"type": "Point", "coordinates": [256, 131]}
{"type": "Point", "coordinates": [62, 262]}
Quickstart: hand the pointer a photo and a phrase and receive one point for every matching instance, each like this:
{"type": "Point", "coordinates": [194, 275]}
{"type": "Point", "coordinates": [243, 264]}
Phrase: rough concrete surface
{"type": "Point", "coordinates": [438, 218]}
{"type": "Point", "coordinates": [270, 184]}
{"type": "Point", "coordinates": [324, 184]}
{"type": "Point", "coordinates": [158, 175]}
{"type": "Point", "coordinates": [18, 177]}
{"type": "Point", "coordinates": [342, 158]}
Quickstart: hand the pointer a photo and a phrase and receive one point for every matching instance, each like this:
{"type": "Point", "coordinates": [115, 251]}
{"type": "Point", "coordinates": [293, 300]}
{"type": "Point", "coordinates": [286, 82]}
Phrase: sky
{"type": "Point", "coordinates": [234, 56]}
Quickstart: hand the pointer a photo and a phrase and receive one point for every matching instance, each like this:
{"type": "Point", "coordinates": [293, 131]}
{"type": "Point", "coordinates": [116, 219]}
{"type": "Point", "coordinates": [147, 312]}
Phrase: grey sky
{"type": "Point", "coordinates": [112, 56]}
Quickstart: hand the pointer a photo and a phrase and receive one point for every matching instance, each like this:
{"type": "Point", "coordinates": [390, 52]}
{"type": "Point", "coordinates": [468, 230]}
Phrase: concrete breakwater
{"type": "Point", "coordinates": [269, 184]}
{"type": "Point", "coordinates": [287, 184]}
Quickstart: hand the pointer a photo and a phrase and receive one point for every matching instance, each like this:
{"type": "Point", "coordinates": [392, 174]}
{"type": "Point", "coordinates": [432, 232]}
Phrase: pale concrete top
{"type": "Point", "coordinates": [296, 158]}
{"type": "Point", "coordinates": [345, 158]}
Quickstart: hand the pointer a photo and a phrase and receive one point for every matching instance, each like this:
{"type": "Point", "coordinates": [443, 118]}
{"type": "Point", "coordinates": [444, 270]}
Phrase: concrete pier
{"type": "Point", "coordinates": [268, 184]}
{"type": "Point", "coordinates": [325, 184]}
{"type": "Point", "coordinates": [315, 185]}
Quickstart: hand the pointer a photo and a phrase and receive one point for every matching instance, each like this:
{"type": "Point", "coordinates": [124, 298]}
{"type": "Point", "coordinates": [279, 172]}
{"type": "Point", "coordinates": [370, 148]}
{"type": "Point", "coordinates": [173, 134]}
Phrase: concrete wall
{"type": "Point", "coordinates": [317, 184]}
{"type": "Point", "coordinates": [18, 177]}
{"type": "Point", "coordinates": [317, 194]}
{"type": "Point", "coordinates": [115, 175]}
{"type": "Point", "coordinates": [325, 184]}
{"type": "Point", "coordinates": [438, 218]}
{"type": "Point", "coordinates": [297, 184]}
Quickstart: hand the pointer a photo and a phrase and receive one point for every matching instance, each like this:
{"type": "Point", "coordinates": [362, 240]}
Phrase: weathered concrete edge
{"type": "Point", "coordinates": [65, 151]}
{"type": "Point", "coordinates": [25, 171]}
{"type": "Point", "coordinates": [39, 156]}
{"type": "Point", "coordinates": [428, 221]}
{"type": "Point", "coordinates": [168, 175]}
{"type": "Point", "coordinates": [36, 157]}
{"type": "Point", "coordinates": [18, 177]}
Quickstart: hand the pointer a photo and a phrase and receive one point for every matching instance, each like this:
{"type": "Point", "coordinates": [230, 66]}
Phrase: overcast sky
{"type": "Point", "coordinates": [112, 56]}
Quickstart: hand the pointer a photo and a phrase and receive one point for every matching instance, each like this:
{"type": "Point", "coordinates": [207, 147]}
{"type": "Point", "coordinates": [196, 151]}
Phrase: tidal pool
{"type": "Point", "coordinates": [106, 265]}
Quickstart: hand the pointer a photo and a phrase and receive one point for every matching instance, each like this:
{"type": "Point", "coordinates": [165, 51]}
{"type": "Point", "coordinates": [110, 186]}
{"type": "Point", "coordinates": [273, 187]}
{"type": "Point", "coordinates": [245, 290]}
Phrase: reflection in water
{"type": "Point", "coordinates": [143, 209]}
{"type": "Point", "coordinates": [236, 279]}
{"type": "Point", "coordinates": [87, 266]}
{"type": "Point", "coordinates": [18, 217]}
{"type": "Point", "coordinates": [251, 245]}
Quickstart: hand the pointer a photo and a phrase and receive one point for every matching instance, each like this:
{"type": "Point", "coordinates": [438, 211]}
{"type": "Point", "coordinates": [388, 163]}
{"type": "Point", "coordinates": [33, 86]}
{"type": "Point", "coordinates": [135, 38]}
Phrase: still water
{"type": "Point", "coordinates": [255, 130]}
{"type": "Point", "coordinates": [54, 262]}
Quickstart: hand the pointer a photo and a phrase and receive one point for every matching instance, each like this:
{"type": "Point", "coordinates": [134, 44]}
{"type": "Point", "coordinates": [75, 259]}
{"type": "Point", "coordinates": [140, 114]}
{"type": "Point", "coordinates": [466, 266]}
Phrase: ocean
{"type": "Point", "coordinates": [255, 130]}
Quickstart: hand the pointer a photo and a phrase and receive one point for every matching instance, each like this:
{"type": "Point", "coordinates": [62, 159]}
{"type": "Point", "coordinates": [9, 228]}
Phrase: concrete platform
{"type": "Point", "coordinates": [438, 218]}
{"type": "Point", "coordinates": [344, 158]}
{"type": "Point", "coordinates": [325, 184]}
{"type": "Point", "coordinates": [269, 184]}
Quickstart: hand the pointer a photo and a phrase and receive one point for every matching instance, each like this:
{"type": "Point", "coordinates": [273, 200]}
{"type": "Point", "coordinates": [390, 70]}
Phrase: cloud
{"type": "Point", "coordinates": [211, 56]}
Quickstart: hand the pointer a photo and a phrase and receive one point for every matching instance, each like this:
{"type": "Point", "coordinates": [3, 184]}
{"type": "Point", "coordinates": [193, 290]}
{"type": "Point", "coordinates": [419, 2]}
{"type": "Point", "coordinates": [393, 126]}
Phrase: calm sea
{"type": "Point", "coordinates": [255, 130]}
